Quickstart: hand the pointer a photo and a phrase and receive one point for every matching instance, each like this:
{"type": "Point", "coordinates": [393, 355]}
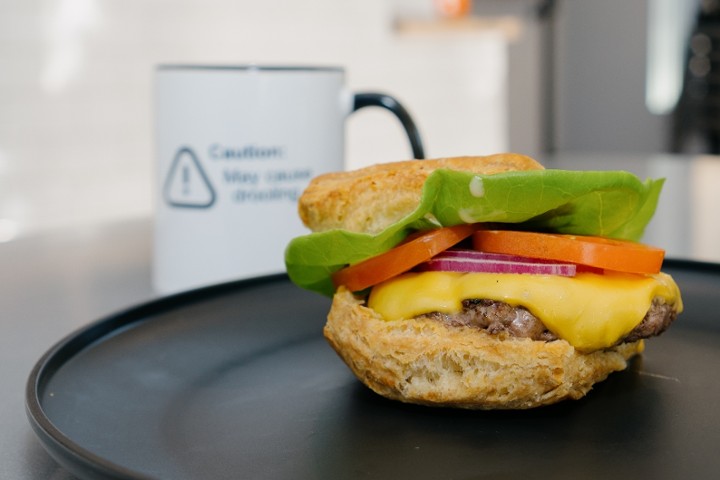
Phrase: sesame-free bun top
{"type": "Point", "coordinates": [370, 199]}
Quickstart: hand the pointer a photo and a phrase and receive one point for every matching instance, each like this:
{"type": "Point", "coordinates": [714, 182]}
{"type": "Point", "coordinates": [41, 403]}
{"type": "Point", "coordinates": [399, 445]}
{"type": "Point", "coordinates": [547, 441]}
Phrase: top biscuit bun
{"type": "Point", "coordinates": [370, 199]}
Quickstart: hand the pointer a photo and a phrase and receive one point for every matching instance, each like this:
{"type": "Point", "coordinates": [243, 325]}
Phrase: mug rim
{"type": "Point", "coordinates": [251, 67]}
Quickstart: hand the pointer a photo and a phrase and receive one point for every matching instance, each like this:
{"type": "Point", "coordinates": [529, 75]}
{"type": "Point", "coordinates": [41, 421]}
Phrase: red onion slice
{"type": "Point", "coordinates": [480, 262]}
{"type": "Point", "coordinates": [475, 254]}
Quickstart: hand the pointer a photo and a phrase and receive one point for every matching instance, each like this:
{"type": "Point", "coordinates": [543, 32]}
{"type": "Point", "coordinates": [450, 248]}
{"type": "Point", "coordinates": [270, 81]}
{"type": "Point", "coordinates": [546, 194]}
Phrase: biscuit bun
{"type": "Point", "coordinates": [425, 362]}
{"type": "Point", "coordinates": [369, 199]}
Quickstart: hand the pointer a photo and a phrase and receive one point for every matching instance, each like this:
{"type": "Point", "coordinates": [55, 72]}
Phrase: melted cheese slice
{"type": "Point", "coordinates": [590, 311]}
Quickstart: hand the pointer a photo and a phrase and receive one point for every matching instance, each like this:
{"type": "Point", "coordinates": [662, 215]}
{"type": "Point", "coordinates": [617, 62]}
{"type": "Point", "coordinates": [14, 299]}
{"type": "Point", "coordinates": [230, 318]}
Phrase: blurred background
{"type": "Point", "coordinates": [531, 76]}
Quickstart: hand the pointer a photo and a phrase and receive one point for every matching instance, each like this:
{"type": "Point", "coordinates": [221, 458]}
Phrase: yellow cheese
{"type": "Point", "coordinates": [590, 311]}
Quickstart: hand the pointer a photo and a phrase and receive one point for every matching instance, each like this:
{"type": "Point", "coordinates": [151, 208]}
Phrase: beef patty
{"type": "Point", "coordinates": [496, 317]}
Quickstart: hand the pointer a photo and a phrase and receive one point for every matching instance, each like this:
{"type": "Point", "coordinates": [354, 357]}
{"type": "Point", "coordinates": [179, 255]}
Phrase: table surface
{"type": "Point", "coordinates": [54, 283]}
{"type": "Point", "coordinates": [51, 285]}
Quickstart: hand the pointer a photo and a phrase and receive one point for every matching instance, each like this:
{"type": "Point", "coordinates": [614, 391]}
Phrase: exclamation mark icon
{"type": "Point", "coordinates": [186, 180]}
{"type": "Point", "coordinates": [187, 185]}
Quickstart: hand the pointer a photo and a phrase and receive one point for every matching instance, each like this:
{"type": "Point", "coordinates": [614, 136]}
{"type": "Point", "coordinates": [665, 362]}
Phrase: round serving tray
{"type": "Point", "coordinates": [236, 381]}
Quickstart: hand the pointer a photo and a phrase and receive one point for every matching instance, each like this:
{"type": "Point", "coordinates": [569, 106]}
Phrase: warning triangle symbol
{"type": "Point", "coordinates": [186, 184]}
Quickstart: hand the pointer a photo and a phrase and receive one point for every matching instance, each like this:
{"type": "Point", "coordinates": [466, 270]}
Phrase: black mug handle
{"type": "Point", "coordinates": [374, 99]}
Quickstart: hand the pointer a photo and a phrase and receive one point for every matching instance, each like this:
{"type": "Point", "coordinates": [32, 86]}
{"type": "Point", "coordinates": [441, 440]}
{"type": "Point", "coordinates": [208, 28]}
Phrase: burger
{"type": "Point", "coordinates": [483, 282]}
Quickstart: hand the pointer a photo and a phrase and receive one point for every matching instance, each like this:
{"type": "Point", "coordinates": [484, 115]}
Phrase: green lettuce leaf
{"type": "Point", "coordinates": [611, 204]}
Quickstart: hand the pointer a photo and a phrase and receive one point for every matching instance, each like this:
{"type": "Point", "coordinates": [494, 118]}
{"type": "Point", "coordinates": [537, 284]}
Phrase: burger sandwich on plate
{"type": "Point", "coordinates": [483, 282]}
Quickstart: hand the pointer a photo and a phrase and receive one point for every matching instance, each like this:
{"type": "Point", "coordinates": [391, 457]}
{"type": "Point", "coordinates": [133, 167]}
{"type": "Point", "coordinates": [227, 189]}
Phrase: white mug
{"type": "Point", "coordinates": [235, 147]}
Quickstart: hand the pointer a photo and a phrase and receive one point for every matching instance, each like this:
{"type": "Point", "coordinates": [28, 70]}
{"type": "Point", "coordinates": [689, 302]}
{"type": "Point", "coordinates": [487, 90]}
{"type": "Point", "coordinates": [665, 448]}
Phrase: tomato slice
{"type": "Point", "coordinates": [599, 252]}
{"type": "Point", "coordinates": [415, 250]}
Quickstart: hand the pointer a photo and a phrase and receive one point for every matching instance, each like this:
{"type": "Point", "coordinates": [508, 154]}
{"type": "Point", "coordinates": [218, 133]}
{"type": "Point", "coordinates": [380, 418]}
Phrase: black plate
{"type": "Point", "coordinates": [236, 381]}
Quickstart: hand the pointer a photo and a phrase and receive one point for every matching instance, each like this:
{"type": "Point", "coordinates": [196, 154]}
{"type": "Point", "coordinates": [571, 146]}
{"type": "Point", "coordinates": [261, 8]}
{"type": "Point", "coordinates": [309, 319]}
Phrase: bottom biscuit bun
{"type": "Point", "coordinates": [425, 362]}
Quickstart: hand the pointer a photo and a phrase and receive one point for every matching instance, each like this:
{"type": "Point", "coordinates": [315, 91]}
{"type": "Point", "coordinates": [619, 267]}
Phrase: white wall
{"type": "Point", "coordinates": [76, 120]}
